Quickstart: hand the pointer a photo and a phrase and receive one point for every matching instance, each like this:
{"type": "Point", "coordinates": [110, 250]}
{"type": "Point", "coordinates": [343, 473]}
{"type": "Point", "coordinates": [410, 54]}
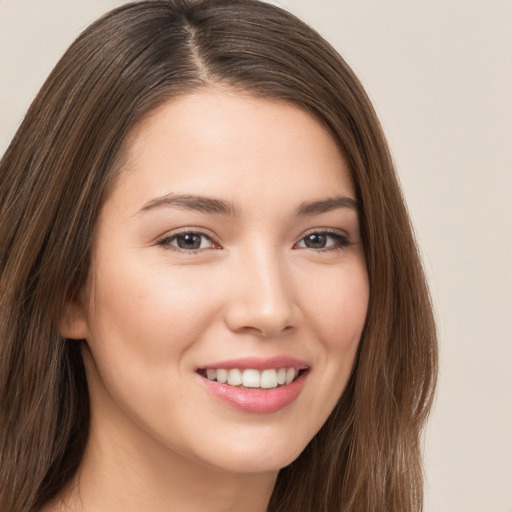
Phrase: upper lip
{"type": "Point", "coordinates": [259, 363]}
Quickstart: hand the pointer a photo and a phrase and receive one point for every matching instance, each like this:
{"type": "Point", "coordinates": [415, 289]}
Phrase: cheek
{"type": "Point", "coordinates": [338, 308]}
{"type": "Point", "coordinates": [148, 308]}
{"type": "Point", "coordinates": [142, 322]}
{"type": "Point", "coordinates": [336, 315]}
{"type": "Point", "coordinates": [337, 318]}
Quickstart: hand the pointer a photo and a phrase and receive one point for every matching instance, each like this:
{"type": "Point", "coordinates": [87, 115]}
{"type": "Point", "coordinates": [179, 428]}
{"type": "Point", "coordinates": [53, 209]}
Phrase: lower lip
{"type": "Point", "coordinates": [257, 401]}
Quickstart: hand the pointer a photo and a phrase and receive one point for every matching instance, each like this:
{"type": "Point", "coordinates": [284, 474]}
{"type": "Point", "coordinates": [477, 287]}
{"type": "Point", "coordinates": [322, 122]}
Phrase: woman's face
{"type": "Point", "coordinates": [228, 248]}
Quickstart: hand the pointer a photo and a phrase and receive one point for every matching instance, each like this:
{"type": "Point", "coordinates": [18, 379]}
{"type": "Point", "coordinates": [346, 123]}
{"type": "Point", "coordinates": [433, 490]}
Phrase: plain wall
{"type": "Point", "coordinates": [440, 75]}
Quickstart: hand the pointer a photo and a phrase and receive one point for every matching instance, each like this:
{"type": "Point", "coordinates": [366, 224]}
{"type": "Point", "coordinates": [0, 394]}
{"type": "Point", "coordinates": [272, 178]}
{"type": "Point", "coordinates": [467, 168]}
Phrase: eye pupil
{"type": "Point", "coordinates": [189, 241]}
{"type": "Point", "coordinates": [315, 241]}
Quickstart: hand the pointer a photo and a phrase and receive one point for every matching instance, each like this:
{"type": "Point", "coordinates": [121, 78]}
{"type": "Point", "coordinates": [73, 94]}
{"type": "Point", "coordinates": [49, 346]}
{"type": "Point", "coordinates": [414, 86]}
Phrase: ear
{"type": "Point", "coordinates": [73, 321]}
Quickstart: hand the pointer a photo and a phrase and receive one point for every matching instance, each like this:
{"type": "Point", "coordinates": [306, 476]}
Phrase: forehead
{"type": "Point", "coordinates": [218, 142]}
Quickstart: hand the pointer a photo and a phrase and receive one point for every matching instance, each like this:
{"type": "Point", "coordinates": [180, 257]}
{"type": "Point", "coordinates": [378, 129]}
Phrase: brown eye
{"type": "Point", "coordinates": [188, 241]}
{"type": "Point", "coordinates": [323, 240]}
{"type": "Point", "coordinates": [315, 241]}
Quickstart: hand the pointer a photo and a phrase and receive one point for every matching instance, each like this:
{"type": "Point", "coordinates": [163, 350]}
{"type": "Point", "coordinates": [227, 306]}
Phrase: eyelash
{"type": "Point", "coordinates": [166, 242]}
{"type": "Point", "coordinates": [341, 241]}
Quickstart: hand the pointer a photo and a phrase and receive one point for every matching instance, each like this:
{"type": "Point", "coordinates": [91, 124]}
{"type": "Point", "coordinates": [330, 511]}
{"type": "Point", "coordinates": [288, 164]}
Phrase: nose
{"type": "Point", "coordinates": [262, 297]}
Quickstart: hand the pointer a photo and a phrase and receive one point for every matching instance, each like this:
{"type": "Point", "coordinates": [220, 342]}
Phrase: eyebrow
{"type": "Point", "coordinates": [327, 205]}
{"type": "Point", "coordinates": [193, 202]}
{"type": "Point", "coordinates": [219, 206]}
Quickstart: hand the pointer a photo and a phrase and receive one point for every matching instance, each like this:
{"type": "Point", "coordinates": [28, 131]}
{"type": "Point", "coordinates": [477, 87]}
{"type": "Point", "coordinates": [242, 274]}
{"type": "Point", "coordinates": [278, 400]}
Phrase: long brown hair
{"type": "Point", "coordinates": [55, 173]}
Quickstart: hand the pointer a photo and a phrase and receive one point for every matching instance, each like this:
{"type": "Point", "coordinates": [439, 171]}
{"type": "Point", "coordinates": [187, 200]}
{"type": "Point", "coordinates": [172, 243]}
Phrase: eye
{"type": "Point", "coordinates": [323, 240]}
{"type": "Point", "coordinates": [188, 241]}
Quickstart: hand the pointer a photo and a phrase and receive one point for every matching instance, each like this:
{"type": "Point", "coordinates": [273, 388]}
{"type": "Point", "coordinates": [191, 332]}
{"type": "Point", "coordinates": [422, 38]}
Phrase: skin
{"type": "Point", "coordinates": [153, 313]}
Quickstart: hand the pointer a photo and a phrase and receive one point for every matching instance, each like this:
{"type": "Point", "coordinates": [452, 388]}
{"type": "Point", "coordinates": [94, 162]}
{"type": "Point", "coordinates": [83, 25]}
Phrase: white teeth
{"type": "Point", "coordinates": [290, 375]}
{"type": "Point", "coordinates": [234, 377]}
{"type": "Point", "coordinates": [268, 379]}
{"type": "Point", "coordinates": [222, 376]}
{"type": "Point", "coordinates": [250, 378]}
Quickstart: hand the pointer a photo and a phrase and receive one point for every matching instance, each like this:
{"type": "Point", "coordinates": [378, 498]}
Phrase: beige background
{"type": "Point", "coordinates": [440, 75]}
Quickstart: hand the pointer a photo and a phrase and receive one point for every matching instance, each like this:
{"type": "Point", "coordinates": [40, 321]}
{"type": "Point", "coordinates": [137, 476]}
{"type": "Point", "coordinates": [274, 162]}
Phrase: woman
{"type": "Point", "coordinates": [211, 298]}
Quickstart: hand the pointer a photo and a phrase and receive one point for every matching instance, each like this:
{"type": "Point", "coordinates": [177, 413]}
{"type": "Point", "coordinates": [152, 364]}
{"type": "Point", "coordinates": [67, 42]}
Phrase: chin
{"type": "Point", "coordinates": [257, 464]}
{"type": "Point", "coordinates": [266, 456]}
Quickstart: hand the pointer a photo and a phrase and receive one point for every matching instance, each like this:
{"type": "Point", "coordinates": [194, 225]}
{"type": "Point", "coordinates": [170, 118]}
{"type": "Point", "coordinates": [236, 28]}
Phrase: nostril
{"type": "Point", "coordinates": [266, 331]}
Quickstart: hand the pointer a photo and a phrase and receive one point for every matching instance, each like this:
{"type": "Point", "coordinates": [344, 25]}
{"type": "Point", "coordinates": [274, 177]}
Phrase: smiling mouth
{"type": "Point", "coordinates": [251, 378]}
